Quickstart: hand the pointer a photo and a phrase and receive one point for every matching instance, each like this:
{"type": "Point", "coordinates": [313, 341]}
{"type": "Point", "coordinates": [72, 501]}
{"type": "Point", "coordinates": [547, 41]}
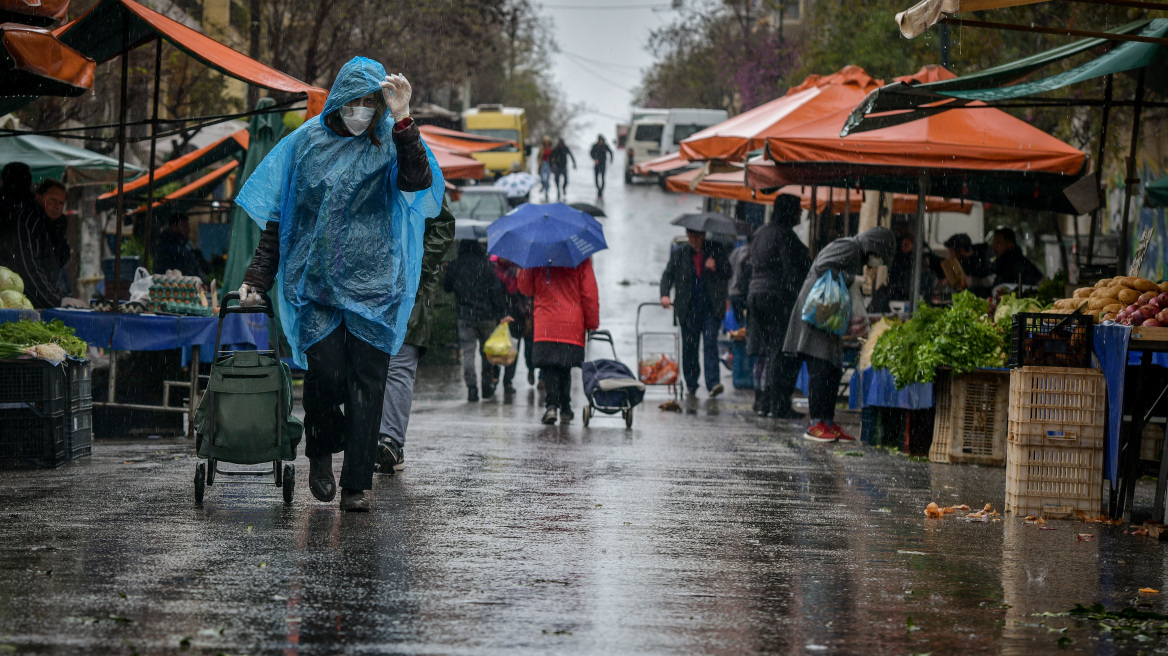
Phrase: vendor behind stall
{"type": "Point", "coordinates": [975, 263]}
{"type": "Point", "coordinates": [1010, 265]}
{"type": "Point", "coordinates": [26, 240]}
{"type": "Point", "coordinates": [174, 249]}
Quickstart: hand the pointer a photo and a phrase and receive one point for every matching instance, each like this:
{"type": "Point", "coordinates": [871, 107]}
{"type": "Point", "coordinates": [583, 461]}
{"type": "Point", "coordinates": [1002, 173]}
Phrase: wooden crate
{"type": "Point", "coordinates": [972, 418]}
{"type": "Point", "coordinates": [1054, 451]}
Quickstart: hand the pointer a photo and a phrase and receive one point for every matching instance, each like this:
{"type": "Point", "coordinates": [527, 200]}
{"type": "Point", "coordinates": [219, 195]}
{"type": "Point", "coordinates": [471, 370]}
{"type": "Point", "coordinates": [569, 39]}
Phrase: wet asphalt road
{"type": "Point", "coordinates": [707, 531]}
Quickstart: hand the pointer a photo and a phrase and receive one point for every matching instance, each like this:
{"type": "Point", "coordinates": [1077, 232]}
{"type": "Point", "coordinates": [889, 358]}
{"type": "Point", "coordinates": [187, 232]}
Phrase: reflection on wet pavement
{"type": "Point", "coordinates": [707, 531]}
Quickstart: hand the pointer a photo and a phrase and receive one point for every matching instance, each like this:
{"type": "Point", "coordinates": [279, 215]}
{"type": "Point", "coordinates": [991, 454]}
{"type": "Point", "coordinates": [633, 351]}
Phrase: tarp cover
{"type": "Point", "coordinates": [49, 158]}
{"type": "Point", "coordinates": [662, 164]}
{"type": "Point", "coordinates": [350, 241]}
{"type": "Point", "coordinates": [193, 162]}
{"type": "Point", "coordinates": [195, 189]}
{"type": "Point", "coordinates": [1157, 192]}
{"type": "Point", "coordinates": [35, 63]}
{"type": "Point", "coordinates": [462, 143]}
{"type": "Point", "coordinates": [34, 12]}
{"type": "Point", "coordinates": [926, 13]}
{"type": "Point", "coordinates": [98, 35]}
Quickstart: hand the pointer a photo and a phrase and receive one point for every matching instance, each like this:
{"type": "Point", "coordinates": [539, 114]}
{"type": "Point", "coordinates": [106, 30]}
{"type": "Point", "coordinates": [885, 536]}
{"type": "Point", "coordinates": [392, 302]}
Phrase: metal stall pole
{"type": "Point", "coordinates": [1125, 231]}
{"type": "Point", "coordinates": [147, 259]}
{"type": "Point", "coordinates": [918, 241]}
{"type": "Point", "coordinates": [121, 218]}
{"type": "Point", "coordinates": [1097, 215]}
{"type": "Point", "coordinates": [813, 222]}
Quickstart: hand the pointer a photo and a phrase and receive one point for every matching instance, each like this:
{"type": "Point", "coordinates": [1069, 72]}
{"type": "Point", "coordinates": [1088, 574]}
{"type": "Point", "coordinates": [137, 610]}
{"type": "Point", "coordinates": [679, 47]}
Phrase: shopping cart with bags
{"type": "Point", "coordinates": [245, 415]}
{"type": "Point", "coordinates": [658, 354]}
{"type": "Point", "coordinates": [609, 385]}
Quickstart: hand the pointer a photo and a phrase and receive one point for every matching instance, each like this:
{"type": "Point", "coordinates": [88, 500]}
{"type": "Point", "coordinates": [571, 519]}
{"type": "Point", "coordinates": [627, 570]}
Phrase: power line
{"type": "Point", "coordinates": [655, 5]}
{"type": "Point", "coordinates": [585, 64]}
{"type": "Point", "coordinates": [599, 76]}
{"type": "Point", "coordinates": [602, 63]}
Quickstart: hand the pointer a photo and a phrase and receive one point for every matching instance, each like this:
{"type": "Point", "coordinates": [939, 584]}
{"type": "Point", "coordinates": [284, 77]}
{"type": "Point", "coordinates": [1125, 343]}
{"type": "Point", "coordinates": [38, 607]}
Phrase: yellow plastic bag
{"type": "Point", "coordinates": [500, 349]}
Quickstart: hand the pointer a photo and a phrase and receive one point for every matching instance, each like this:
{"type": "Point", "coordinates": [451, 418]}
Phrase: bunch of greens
{"type": "Point", "coordinates": [1011, 305]}
{"type": "Point", "coordinates": [1051, 289]}
{"type": "Point", "coordinates": [32, 333]}
{"type": "Point", "coordinates": [960, 337]}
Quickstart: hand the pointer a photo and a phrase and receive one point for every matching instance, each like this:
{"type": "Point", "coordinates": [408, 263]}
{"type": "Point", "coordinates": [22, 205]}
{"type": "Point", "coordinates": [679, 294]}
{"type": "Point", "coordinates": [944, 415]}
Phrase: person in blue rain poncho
{"type": "Point", "coordinates": [342, 202]}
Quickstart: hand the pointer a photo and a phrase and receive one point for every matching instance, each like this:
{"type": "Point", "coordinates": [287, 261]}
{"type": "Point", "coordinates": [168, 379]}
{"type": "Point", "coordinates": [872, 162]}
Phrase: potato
{"type": "Point", "coordinates": [1144, 285]}
{"type": "Point", "coordinates": [1106, 282]}
{"type": "Point", "coordinates": [1127, 296]}
{"type": "Point", "coordinates": [1070, 303]}
{"type": "Point", "coordinates": [1147, 296]}
{"type": "Point", "coordinates": [1115, 308]}
{"type": "Point", "coordinates": [1096, 304]}
{"type": "Point", "coordinates": [1106, 292]}
{"type": "Point", "coordinates": [1163, 286]}
{"type": "Point", "coordinates": [1110, 316]}
{"type": "Point", "coordinates": [1126, 281]}
{"type": "Point", "coordinates": [1084, 292]}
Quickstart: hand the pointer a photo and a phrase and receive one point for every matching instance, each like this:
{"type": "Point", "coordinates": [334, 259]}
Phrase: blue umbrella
{"type": "Point", "coordinates": [545, 235]}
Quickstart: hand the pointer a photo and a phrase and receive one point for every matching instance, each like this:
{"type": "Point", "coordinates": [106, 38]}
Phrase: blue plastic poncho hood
{"type": "Point", "coordinates": [350, 240]}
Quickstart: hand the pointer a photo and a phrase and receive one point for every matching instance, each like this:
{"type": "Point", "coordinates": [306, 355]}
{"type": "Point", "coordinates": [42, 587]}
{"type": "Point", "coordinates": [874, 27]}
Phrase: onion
{"type": "Point", "coordinates": [1151, 323]}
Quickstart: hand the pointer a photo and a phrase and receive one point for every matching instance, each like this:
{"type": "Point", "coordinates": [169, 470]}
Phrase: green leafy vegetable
{"type": "Point", "coordinates": [1011, 305]}
{"type": "Point", "coordinates": [31, 333]}
{"type": "Point", "coordinates": [960, 337]}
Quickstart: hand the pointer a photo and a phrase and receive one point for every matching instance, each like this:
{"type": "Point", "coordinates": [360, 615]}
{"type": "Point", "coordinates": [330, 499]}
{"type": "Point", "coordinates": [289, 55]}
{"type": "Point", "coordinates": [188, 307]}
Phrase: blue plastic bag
{"type": "Point", "coordinates": [829, 305]}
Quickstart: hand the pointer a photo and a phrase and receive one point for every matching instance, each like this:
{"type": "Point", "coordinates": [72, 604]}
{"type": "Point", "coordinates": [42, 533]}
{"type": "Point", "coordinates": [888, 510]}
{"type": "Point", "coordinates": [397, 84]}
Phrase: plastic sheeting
{"type": "Point", "coordinates": [350, 240]}
{"type": "Point", "coordinates": [1111, 343]}
{"type": "Point", "coordinates": [875, 387]}
{"type": "Point", "coordinates": [138, 332]}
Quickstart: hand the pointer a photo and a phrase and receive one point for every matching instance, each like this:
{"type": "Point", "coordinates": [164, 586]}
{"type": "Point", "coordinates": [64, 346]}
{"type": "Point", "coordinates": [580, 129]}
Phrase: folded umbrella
{"type": "Point", "coordinates": [517, 185]}
{"type": "Point", "coordinates": [589, 208]}
{"type": "Point", "coordinates": [553, 235]}
{"type": "Point", "coordinates": [707, 222]}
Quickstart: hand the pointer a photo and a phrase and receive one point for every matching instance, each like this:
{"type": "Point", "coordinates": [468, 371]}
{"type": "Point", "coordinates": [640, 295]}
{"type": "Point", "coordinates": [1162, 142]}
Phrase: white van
{"type": "Point", "coordinates": [656, 132]}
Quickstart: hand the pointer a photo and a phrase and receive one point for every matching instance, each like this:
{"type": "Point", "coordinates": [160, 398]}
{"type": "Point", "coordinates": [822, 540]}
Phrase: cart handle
{"type": "Point", "coordinates": [603, 336]}
{"type": "Point", "coordinates": [637, 325]}
{"type": "Point", "coordinates": [266, 308]}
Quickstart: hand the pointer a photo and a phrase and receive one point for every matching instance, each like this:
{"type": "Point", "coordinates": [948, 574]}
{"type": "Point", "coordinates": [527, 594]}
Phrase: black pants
{"type": "Point", "coordinates": [598, 171]}
{"type": "Point", "coordinates": [768, 320]}
{"type": "Point", "coordinates": [822, 389]}
{"type": "Point", "coordinates": [557, 381]}
{"type": "Point", "coordinates": [561, 182]}
{"type": "Point", "coordinates": [345, 370]}
{"type": "Point", "coordinates": [525, 343]}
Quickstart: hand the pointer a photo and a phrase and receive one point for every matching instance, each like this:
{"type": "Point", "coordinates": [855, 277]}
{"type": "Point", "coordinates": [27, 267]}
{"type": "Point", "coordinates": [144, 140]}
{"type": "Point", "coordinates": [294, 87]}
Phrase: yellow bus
{"type": "Point", "coordinates": [502, 123]}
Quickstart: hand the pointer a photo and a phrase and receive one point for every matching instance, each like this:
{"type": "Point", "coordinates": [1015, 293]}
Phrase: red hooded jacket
{"type": "Point", "coordinates": [566, 302]}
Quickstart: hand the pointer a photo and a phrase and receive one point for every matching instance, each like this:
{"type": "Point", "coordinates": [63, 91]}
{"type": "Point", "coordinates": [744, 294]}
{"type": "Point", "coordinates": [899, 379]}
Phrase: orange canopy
{"type": "Point", "coordinates": [201, 185]}
{"type": "Point", "coordinates": [43, 12]}
{"type": "Point", "coordinates": [98, 35]}
{"type": "Point", "coordinates": [456, 166]}
{"type": "Point", "coordinates": [38, 64]}
{"type": "Point", "coordinates": [732, 186]}
{"type": "Point", "coordinates": [461, 143]}
{"type": "Point", "coordinates": [229, 146]}
{"type": "Point", "coordinates": [662, 164]}
{"type": "Point", "coordinates": [732, 139]}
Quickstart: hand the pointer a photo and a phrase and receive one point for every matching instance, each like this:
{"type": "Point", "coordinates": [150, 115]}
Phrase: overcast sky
{"type": "Point", "coordinates": [602, 53]}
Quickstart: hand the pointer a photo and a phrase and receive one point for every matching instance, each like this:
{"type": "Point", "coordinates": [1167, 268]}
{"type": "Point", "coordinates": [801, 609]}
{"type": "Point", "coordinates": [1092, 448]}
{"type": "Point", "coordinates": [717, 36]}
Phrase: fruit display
{"type": "Point", "coordinates": [1127, 300]}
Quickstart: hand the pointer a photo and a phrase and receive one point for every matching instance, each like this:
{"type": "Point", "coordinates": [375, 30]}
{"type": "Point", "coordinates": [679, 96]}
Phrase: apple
{"type": "Point", "coordinates": [1151, 323]}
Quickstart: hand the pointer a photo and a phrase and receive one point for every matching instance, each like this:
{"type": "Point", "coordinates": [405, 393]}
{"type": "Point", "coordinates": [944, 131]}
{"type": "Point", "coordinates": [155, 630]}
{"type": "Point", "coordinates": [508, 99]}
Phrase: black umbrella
{"type": "Point", "coordinates": [706, 222]}
{"type": "Point", "coordinates": [588, 208]}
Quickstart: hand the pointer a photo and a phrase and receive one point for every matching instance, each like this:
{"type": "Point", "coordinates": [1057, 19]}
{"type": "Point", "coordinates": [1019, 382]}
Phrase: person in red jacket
{"type": "Point", "coordinates": [566, 305]}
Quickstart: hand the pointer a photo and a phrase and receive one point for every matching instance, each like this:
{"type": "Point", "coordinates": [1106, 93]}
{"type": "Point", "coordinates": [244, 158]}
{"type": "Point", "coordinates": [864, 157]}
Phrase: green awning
{"type": "Point", "coordinates": [49, 158]}
{"type": "Point", "coordinates": [913, 102]}
{"type": "Point", "coordinates": [1157, 192]}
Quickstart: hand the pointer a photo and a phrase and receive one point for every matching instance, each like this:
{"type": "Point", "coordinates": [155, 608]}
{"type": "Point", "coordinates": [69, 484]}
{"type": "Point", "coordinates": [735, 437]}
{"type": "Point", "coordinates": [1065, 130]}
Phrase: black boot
{"type": "Point", "coordinates": [320, 478]}
{"type": "Point", "coordinates": [354, 501]}
{"type": "Point", "coordinates": [472, 394]}
{"type": "Point", "coordinates": [549, 417]}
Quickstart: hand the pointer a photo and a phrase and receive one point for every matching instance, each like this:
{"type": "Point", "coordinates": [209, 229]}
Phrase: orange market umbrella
{"type": "Point", "coordinates": [732, 186]}
{"type": "Point", "coordinates": [732, 139]}
{"type": "Point", "coordinates": [457, 167]}
{"type": "Point", "coordinates": [33, 12]}
{"type": "Point", "coordinates": [34, 63]}
{"type": "Point", "coordinates": [662, 164]}
{"type": "Point", "coordinates": [460, 143]}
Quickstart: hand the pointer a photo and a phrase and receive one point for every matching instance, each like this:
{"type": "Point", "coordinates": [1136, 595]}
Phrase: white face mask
{"type": "Point", "coordinates": [875, 261]}
{"type": "Point", "coordinates": [357, 119]}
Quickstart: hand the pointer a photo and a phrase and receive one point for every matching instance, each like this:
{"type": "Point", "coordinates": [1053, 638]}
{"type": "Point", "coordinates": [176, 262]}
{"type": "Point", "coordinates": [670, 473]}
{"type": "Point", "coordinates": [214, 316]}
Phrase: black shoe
{"type": "Point", "coordinates": [354, 501]}
{"type": "Point", "coordinates": [390, 454]}
{"type": "Point", "coordinates": [566, 416]}
{"type": "Point", "coordinates": [716, 390]}
{"type": "Point", "coordinates": [763, 412]}
{"type": "Point", "coordinates": [472, 395]}
{"type": "Point", "coordinates": [488, 394]}
{"type": "Point", "coordinates": [320, 478]}
{"type": "Point", "coordinates": [508, 394]}
{"type": "Point", "coordinates": [549, 417]}
{"type": "Point", "coordinates": [530, 377]}
{"type": "Point", "coordinates": [787, 413]}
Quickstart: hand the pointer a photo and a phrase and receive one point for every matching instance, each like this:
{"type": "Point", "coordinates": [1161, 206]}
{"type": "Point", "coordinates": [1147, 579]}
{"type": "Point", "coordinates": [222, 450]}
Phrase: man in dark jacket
{"type": "Point", "coordinates": [482, 303]}
{"type": "Point", "coordinates": [560, 156]}
{"type": "Point", "coordinates": [698, 273]}
{"type": "Point", "coordinates": [175, 252]}
{"type": "Point", "coordinates": [1010, 265]}
{"type": "Point", "coordinates": [26, 243]}
{"type": "Point", "coordinates": [403, 367]}
{"type": "Point", "coordinates": [601, 155]}
{"type": "Point", "coordinates": [778, 264]}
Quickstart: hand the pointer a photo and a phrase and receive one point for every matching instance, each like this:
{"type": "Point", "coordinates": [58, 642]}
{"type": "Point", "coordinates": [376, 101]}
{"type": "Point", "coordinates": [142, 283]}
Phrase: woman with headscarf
{"type": "Point", "coordinates": [821, 350]}
{"type": "Point", "coordinates": [343, 202]}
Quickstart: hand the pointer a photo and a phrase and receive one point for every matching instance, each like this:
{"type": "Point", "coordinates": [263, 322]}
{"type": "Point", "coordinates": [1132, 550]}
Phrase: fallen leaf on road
{"type": "Point", "coordinates": [933, 511]}
{"type": "Point", "coordinates": [962, 507]}
{"type": "Point", "coordinates": [670, 406]}
{"type": "Point", "coordinates": [1084, 537]}
{"type": "Point", "coordinates": [1149, 591]}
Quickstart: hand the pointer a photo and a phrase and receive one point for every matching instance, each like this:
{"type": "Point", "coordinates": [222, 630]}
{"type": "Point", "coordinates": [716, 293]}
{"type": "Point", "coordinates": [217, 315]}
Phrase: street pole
{"type": "Point", "coordinates": [1097, 215]}
{"type": "Point", "coordinates": [1125, 230]}
{"type": "Point", "coordinates": [121, 218]}
{"type": "Point", "coordinates": [918, 241]}
{"type": "Point", "coordinates": [146, 256]}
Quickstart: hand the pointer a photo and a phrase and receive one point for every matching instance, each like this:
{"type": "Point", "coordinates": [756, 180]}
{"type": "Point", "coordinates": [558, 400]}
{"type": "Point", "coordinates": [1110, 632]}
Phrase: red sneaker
{"type": "Point", "coordinates": [840, 434]}
{"type": "Point", "coordinates": [820, 432]}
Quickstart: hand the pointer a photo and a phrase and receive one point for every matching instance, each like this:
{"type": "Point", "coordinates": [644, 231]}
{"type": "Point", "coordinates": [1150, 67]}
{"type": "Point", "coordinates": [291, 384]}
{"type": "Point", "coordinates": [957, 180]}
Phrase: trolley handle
{"type": "Point", "coordinates": [265, 308]}
{"type": "Point", "coordinates": [637, 325]}
{"type": "Point", "coordinates": [603, 336]}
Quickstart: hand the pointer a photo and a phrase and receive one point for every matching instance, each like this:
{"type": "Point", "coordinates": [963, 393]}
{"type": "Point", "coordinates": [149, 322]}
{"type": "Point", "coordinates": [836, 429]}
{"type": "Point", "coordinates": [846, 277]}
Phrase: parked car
{"type": "Point", "coordinates": [482, 202]}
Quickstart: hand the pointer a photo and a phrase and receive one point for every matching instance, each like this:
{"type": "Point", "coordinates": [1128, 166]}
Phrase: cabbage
{"type": "Point", "coordinates": [10, 281]}
{"type": "Point", "coordinates": [27, 304]}
{"type": "Point", "coordinates": [1011, 305]}
{"type": "Point", "coordinates": [12, 300]}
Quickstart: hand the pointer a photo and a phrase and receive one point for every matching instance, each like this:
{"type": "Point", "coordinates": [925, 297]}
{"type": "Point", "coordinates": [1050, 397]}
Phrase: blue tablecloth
{"type": "Point", "coordinates": [144, 332]}
{"type": "Point", "coordinates": [874, 387]}
{"type": "Point", "coordinates": [8, 316]}
{"type": "Point", "coordinates": [1115, 351]}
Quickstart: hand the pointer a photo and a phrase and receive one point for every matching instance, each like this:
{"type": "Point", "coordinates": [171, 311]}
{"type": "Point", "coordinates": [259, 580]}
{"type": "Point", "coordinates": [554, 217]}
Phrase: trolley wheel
{"type": "Point", "coordinates": [211, 465]}
{"type": "Point", "coordinates": [587, 415]}
{"type": "Point", "coordinates": [200, 482]}
{"type": "Point", "coordinates": [628, 418]}
{"type": "Point", "coordinates": [277, 473]}
{"type": "Point", "coordinates": [289, 481]}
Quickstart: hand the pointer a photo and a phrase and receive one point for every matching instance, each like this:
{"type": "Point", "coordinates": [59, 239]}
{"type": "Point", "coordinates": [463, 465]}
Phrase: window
{"type": "Point", "coordinates": [487, 207]}
{"type": "Point", "coordinates": [682, 132]}
{"type": "Point", "coordinates": [649, 132]}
